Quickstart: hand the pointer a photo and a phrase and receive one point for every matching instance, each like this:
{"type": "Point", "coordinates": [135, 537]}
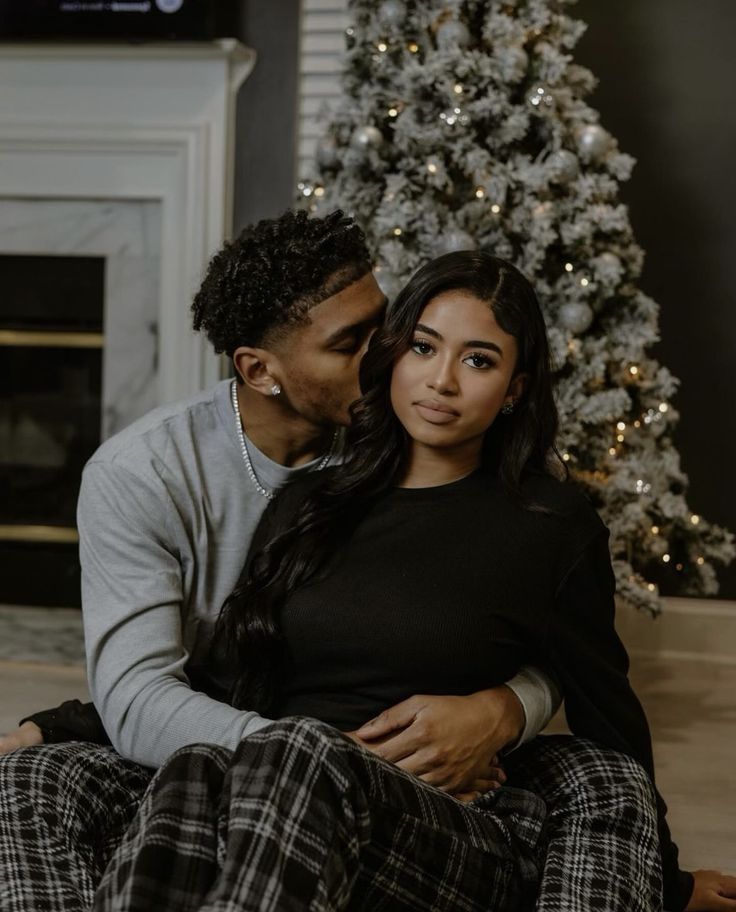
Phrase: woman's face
{"type": "Point", "coordinates": [448, 388]}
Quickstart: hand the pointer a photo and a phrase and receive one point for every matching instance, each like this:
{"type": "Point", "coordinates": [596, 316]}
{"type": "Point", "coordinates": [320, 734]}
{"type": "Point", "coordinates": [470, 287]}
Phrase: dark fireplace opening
{"type": "Point", "coordinates": [51, 351]}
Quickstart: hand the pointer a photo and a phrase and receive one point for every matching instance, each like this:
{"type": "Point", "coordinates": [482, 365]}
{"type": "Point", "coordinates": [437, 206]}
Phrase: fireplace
{"type": "Point", "coordinates": [115, 189]}
{"type": "Point", "coordinates": [51, 356]}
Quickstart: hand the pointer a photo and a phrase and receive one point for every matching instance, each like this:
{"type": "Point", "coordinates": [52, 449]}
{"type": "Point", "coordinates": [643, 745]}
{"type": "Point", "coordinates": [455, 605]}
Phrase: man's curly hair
{"type": "Point", "coordinates": [273, 273]}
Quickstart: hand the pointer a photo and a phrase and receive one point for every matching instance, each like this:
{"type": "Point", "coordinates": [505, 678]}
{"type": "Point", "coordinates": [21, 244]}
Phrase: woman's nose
{"type": "Point", "coordinates": [442, 377]}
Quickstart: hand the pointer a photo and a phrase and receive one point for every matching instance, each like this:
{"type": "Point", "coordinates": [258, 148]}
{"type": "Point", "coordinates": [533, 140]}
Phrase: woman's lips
{"type": "Point", "coordinates": [436, 412]}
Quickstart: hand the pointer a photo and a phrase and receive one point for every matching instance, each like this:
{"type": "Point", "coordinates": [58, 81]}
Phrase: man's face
{"type": "Point", "coordinates": [319, 361]}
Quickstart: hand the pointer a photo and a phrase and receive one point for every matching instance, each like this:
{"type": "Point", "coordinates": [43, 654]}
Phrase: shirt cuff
{"type": "Point", "coordinates": [540, 699]}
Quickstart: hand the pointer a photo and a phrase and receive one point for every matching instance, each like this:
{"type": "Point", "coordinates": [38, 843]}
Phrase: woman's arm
{"type": "Point", "coordinates": [592, 666]}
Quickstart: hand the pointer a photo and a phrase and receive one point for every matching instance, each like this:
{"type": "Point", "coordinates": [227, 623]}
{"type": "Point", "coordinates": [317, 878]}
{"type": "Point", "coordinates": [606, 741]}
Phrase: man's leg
{"type": "Point", "coordinates": [600, 832]}
{"type": "Point", "coordinates": [300, 817]}
{"type": "Point", "coordinates": [63, 810]}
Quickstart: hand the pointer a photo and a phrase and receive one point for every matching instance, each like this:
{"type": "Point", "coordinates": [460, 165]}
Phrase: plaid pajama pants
{"type": "Point", "coordinates": [65, 807]}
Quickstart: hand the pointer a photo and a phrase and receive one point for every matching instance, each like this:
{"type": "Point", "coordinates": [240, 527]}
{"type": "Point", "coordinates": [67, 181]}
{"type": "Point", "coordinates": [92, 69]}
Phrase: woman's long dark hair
{"type": "Point", "coordinates": [377, 447]}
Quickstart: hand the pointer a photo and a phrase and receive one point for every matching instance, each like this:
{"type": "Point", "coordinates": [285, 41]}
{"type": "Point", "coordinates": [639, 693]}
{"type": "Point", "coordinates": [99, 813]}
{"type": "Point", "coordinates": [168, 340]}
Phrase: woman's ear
{"type": "Point", "coordinates": [517, 386]}
{"type": "Point", "coordinates": [255, 366]}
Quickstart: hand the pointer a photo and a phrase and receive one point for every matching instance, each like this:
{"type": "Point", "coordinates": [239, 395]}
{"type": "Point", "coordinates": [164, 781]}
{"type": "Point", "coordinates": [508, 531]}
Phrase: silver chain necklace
{"type": "Point", "coordinates": [265, 492]}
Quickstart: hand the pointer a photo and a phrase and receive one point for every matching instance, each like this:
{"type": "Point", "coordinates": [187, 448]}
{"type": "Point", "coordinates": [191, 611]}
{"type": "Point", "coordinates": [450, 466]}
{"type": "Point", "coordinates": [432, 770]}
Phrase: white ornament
{"type": "Point", "coordinates": [454, 239]}
{"type": "Point", "coordinates": [366, 137]}
{"type": "Point", "coordinates": [327, 154]}
{"type": "Point", "coordinates": [453, 34]}
{"type": "Point", "coordinates": [594, 143]}
{"type": "Point", "coordinates": [564, 166]}
{"type": "Point", "coordinates": [169, 6]}
{"type": "Point", "coordinates": [609, 262]}
{"type": "Point", "coordinates": [576, 316]}
{"type": "Point", "coordinates": [391, 12]}
{"type": "Point", "coordinates": [514, 63]}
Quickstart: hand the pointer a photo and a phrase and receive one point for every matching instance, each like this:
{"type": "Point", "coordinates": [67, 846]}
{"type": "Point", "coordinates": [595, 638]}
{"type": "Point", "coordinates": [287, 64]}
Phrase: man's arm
{"type": "Point", "coordinates": [451, 742]}
{"type": "Point", "coordinates": [133, 615]}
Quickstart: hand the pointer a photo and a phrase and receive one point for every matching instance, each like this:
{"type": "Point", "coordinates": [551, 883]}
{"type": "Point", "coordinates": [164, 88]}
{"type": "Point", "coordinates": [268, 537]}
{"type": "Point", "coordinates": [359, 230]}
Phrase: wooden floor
{"type": "Point", "coordinates": [692, 710]}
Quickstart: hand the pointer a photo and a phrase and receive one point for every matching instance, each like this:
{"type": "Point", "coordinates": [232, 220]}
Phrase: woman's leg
{"type": "Point", "coordinates": [600, 831]}
{"type": "Point", "coordinates": [63, 811]}
{"type": "Point", "coordinates": [303, 818]}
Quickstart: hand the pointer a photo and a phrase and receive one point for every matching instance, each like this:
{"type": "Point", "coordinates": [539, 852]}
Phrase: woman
{"type": "Point", "coordinates": [446, 536]}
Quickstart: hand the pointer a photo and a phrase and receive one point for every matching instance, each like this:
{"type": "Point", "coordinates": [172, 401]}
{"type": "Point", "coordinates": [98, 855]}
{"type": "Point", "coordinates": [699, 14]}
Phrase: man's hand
{"type": "Point", "coordinates": [27, 735]}
{"type": "Point", "coordinates": [713, 892]}
{"type": "Point", "coordinates": [449, 742]}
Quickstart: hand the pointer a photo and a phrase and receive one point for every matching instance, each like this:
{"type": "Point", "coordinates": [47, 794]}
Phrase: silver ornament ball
{"type": "Point", "coordinates": [366, 137]}
{"type": "Point", "coordinates": [609, 261]}
{"type": "Point", "coordinates": [391, 12]}
{"type": "Point", "coordinates": [452, 34]}
{"type": "Point", "coordinates": [327, 154]}
{"type": "Point", "coordinates": [576, 316]}
{"type": "Point", "coordinates": [594, 143]}
{"type": "Point", "coordinates": [564, 166]}
{"type": "Point", "coordinates": [454, 239]}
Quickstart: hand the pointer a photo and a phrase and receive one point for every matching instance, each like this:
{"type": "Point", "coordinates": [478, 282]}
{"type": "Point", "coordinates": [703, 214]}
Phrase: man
{"type": "Point", "coordinates": [167, 509]}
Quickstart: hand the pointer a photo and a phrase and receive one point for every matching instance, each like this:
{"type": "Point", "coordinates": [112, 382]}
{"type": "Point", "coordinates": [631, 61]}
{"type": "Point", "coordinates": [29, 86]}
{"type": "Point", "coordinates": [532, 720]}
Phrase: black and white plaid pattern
{"type": "Point", "coordinates": [300, 817]}
{"type": "Point", "coordinates": [600, 834]}
{"type": "Point", "coordinates": [63, 810]}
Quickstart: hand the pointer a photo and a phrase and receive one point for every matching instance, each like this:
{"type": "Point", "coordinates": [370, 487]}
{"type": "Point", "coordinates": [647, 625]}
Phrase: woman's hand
{"type": "Point", "coordinates": [26, 735]}
{"type": "Point", "coordinates": [713, 892]}
{"type": "Point", "coordinates": [450, 742]}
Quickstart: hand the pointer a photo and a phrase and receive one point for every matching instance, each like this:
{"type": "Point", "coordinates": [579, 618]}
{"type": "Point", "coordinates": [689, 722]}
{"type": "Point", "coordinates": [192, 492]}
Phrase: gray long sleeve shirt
{"type": "Point", "coordinates": [166, 515]}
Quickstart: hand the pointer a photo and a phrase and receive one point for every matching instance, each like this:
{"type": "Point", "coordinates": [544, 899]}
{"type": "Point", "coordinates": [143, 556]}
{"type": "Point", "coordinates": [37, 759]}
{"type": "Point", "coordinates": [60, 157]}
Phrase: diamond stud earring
{"type": "Point", "coordinates": [275, 389]}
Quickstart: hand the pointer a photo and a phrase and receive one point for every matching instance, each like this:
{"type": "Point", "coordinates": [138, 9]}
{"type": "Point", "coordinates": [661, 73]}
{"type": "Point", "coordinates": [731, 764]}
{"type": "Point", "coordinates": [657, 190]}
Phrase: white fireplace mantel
{"type": "Point", "coordinates": [127, 123]}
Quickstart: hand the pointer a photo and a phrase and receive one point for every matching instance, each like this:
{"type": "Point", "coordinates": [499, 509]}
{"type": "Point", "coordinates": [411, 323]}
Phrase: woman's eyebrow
{"type": "Point", "coordinates": [479, 343]}
{"type": "Point", "coordinates": [471, 343]}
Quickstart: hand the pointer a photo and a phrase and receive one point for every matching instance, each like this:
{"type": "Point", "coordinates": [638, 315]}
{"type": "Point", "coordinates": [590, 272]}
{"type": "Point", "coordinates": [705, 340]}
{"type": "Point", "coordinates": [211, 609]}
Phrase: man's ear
{"type": "Point", "coordinates": [257, 368]}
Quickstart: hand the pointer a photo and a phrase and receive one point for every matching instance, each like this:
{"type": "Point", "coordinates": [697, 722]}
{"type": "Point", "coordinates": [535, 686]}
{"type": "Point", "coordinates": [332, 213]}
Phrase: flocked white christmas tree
{"type": "Point", "coordinates": [463, 125]}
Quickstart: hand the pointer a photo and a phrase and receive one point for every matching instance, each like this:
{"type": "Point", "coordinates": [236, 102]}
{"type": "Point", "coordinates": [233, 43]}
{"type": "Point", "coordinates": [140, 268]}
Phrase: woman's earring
{"type": "Point", "coordinates": [508, 407]}
{"type": "Point", "coordinates": [275, 389]}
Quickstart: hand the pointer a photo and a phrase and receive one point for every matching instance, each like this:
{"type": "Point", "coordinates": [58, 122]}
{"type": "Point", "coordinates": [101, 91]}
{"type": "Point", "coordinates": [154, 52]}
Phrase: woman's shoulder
{"type": "Point", "coordinates": [564, 500]}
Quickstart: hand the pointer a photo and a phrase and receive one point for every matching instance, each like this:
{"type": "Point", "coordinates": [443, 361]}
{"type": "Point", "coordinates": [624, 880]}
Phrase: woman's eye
{"type": "Point", "coordinates": [420, 347]}
{"type": "Point", "coordinates": [481, 362]}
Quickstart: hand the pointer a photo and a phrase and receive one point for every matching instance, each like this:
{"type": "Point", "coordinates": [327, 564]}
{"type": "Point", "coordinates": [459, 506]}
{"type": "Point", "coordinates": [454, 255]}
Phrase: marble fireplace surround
{"type": "Point", "coordinates": [126, 235]}
{"type": "Point", "coordinates": [148, 126]}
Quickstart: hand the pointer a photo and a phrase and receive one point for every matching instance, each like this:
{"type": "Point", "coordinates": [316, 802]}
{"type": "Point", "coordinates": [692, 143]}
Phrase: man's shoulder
{"type": "Point", "coordinates": [181, 427]}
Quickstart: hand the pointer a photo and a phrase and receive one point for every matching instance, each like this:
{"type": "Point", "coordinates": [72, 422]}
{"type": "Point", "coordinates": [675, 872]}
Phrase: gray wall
{"type": "Point", "coordinates": [667, 71]}
{"type": "Point", "coordinates": [265, 154]}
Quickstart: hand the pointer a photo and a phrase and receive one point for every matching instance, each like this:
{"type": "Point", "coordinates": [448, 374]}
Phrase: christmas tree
{"type": "Point", "coordinates": [464, 125]}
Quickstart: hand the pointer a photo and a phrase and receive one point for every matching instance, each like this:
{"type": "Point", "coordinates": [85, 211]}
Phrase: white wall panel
{"type": "Point", "coordinates": [320, 64]}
